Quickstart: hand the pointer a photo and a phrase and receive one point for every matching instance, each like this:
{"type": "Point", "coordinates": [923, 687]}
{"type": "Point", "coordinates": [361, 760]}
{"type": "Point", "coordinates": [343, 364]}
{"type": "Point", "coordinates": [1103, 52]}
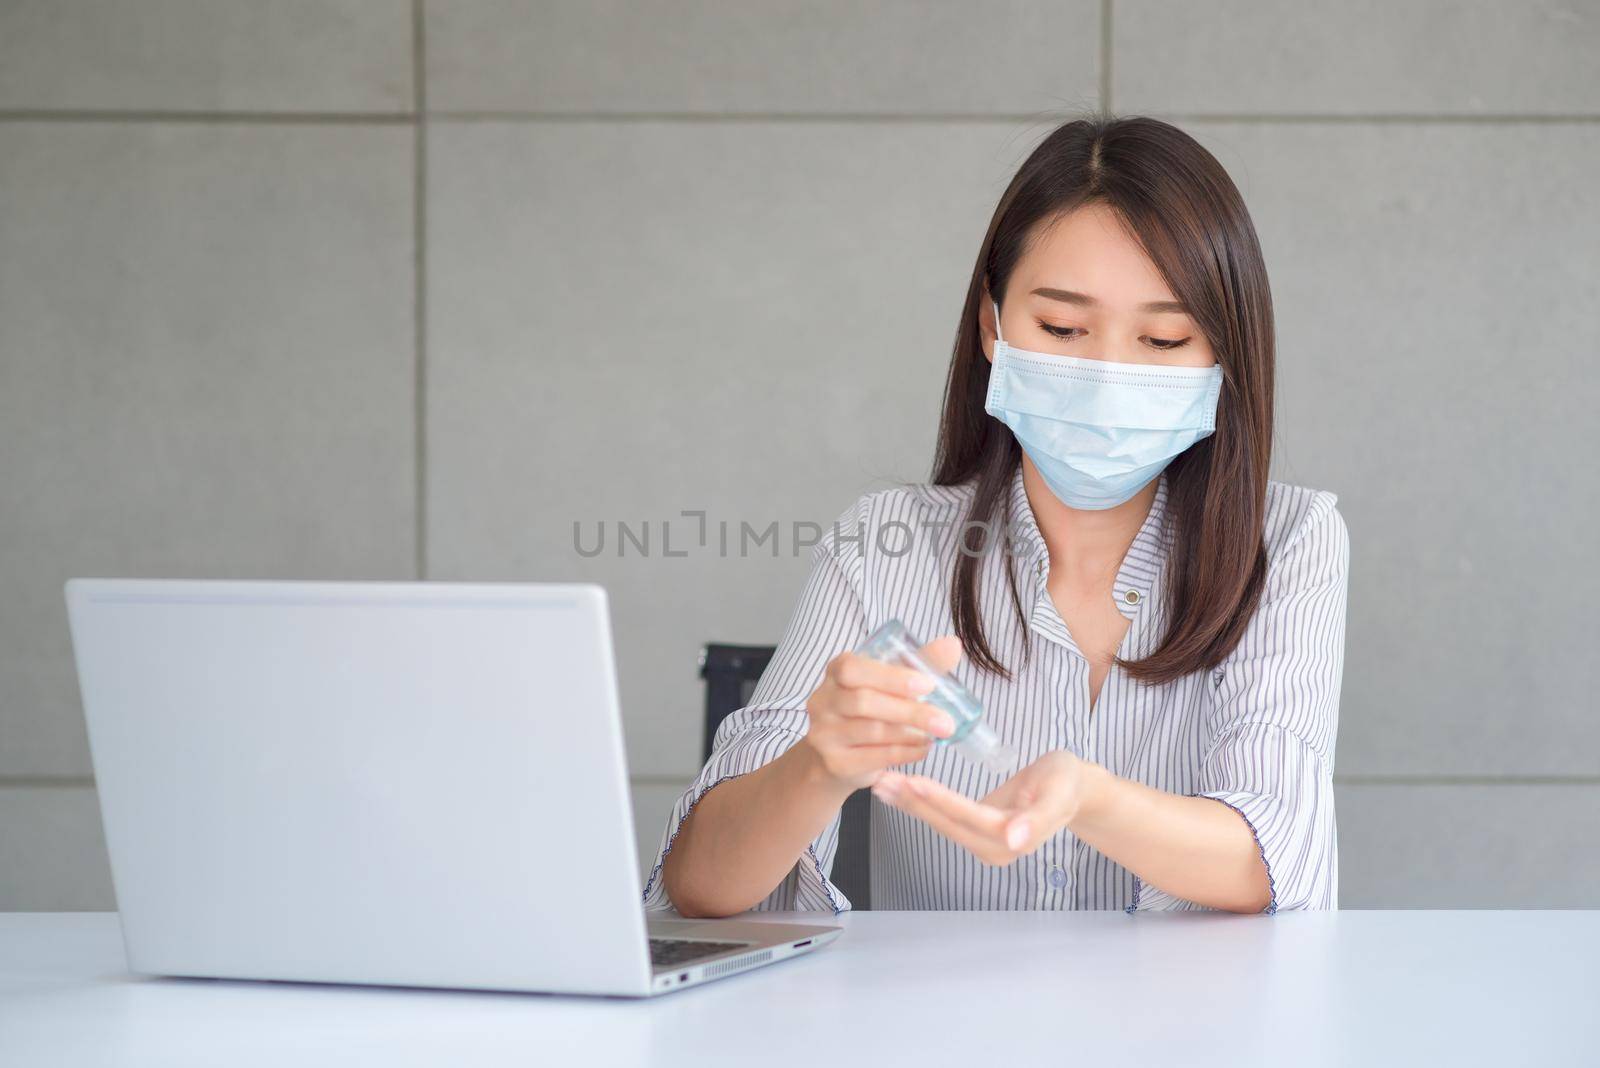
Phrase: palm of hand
{"type": "Point", "coordinates": [1012, 821]}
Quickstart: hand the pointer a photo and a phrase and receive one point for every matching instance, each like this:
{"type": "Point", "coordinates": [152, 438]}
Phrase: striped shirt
{"type": "Point", "coordinates": [1256, 732]}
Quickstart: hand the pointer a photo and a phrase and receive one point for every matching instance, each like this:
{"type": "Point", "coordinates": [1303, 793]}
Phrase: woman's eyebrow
{"type": "Point", "coordinates": [1084, 300]}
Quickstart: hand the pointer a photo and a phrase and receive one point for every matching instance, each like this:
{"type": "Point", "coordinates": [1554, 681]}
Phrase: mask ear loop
{"type": "Point", "coordinates": [996, 307]}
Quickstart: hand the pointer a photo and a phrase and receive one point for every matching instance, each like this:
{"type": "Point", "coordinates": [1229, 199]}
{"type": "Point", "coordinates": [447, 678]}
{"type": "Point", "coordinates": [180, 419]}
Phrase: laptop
{"type": "Point", "coordinates": [407, 783]}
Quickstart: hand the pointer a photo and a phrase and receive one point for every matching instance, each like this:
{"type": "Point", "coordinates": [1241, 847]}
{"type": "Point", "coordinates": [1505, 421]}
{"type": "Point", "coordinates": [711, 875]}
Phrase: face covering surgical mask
{"type": "Point", "coordinates": [1099, 432]}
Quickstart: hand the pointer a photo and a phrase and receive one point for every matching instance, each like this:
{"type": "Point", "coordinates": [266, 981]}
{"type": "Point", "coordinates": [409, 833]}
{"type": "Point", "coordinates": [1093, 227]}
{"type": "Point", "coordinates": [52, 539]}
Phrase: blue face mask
{"type": "Point", "coordinates": [1099, 432]}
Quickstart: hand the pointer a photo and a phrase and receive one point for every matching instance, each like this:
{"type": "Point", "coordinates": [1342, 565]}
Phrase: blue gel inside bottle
{"type": "Point", "coordinates": [973, 738]}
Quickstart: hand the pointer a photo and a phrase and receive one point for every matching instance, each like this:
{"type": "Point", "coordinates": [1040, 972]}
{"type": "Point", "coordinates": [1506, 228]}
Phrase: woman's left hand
{"type": "Point", "coordinates": [1013, 821]}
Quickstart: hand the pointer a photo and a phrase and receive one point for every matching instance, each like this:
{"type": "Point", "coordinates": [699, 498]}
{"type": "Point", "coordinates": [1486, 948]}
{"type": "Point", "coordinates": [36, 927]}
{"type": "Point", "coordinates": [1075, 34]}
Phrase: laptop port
{"type": "Point", "coordinates": [684, 978]}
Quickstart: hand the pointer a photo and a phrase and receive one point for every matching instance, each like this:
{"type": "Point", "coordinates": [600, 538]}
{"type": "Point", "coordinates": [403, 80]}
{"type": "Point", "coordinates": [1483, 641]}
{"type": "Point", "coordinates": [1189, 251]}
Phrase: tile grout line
{"type": "Point", "coordinates": [1307, 118]}
{"type": "Point", "coordinates": [419, 291]}
{"type": "Point", "coordinates": [420, 117]}
{"type": "Point", "coordinates": [258, 118]}
{"type": "Point", "coordinates": [1105, 56]}
{"type": "Point", "coordinates": [46, 782]}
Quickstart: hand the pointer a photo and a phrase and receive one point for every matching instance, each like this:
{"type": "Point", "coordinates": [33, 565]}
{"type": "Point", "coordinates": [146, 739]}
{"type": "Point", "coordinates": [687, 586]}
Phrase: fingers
{"type": "Point", "coordinates": [989, 848]}
{"type": "Point", "coordinates": [1014, 820]}
{"type": "Point", "coordinates": [906, 754]}
{"type": "Point", "coordinates": [867, 715]}
{"type": "Point", "coordinates": [980, 830]}
{"type": "Point", "coordinates": [1013, 794]}
{"type": "Point", "coordinates": [983, 819]}
{"type": "Point", "coordinates": [875, 732]}
{"type": "Point", "coordinates": [874, 760]}
{"type": "Point", "coordinates": [1022, 799]}
{"type": "Point", "coordinates": [996, 834]}
{"type": "Point", "coordinates": [943, 653]}
{"type": "Point", "coordinates": [870, 704]}
{"type": "Point", "coordinates": [853, 672]}
{"type": "Point", "coordinates": [892, 757]}
{"type": "Point", "coordinates": [1032, 784]}
{"type": "Point", "coordinates": [1022, 833]}
{"type": "Point", "coordinates": [1038, 806]}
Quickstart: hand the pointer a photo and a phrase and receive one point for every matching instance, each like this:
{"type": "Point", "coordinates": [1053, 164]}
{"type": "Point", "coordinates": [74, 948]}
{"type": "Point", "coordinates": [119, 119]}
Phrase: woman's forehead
{"type": "Point", "coordinates": [1090, 253]}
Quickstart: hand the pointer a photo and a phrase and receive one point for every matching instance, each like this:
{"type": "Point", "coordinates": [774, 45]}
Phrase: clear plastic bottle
{"type": "Point", "coordinates": [973, 738]}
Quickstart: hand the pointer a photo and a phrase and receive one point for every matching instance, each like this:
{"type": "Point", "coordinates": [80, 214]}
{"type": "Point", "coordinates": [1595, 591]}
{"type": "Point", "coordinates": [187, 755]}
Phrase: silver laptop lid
{"type": "Point", "coordinates": [411, 783]}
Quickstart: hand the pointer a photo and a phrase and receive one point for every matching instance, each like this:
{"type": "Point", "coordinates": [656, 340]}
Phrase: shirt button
{"type": "Point", "coordinates": [1132, 597]}
{"type": "Point", "coordinates": [1058, 878]}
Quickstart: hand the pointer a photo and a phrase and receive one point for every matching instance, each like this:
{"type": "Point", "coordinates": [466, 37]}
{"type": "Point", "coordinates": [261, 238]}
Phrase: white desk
{"type": "Point", "coordinates": [975, 989]}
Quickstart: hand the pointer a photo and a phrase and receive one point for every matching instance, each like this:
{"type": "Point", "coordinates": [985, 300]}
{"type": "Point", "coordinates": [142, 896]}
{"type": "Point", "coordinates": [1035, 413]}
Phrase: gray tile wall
{"type": "Point", "coordinates": [273, 304]}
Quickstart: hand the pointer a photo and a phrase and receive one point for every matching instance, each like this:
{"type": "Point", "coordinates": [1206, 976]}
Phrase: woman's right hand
{"type": "Point", "coordinates": [865, 717]}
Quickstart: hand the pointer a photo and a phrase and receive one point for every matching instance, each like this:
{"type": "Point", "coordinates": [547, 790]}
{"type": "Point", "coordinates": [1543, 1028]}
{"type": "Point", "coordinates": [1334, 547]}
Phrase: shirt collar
{"type": "Point", "coordinates": [1140, 567]}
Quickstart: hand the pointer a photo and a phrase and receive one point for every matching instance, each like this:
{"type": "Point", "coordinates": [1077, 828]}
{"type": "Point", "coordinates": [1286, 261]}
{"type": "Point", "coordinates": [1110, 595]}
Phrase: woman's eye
{"type": "Point", "coordinates": [1072, 333]}
{"type": "Point", "coordinates": [1062, 332]}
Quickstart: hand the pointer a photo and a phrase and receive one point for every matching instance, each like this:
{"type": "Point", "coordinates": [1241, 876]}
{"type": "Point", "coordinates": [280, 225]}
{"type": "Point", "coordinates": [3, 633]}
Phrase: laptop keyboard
{"type": "Point", "coordinates": [678, 950]}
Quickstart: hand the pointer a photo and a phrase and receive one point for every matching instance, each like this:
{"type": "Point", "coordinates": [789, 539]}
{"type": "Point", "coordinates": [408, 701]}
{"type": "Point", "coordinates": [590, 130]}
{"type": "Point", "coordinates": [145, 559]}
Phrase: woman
{"type": "Point", "coordinates": [1155, 626]}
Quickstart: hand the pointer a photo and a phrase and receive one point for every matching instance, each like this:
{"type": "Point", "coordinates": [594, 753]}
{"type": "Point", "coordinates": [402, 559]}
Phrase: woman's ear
{"type": "Point", "coordinates": [986, 325]}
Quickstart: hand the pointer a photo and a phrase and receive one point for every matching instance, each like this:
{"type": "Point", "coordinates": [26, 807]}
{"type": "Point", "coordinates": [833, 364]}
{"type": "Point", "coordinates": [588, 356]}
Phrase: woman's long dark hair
{"type": "Point", "coordinates": [1181, 205]}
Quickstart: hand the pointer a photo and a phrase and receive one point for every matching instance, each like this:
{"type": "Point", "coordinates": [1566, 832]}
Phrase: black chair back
{"type": "Point", "coordinates": [731, 673]}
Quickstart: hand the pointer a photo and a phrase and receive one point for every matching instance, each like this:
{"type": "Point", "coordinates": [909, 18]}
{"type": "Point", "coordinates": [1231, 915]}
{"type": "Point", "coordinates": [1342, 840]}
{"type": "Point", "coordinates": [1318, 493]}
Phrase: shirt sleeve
{"type": "Point", "coordinates": [828, 620]}
{"type": "Point", "coordinates": [1274, 717]}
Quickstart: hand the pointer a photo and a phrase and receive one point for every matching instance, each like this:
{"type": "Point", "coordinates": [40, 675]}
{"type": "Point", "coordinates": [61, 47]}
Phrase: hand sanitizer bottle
{"type": "Point", "coordinates": [973, 738]}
